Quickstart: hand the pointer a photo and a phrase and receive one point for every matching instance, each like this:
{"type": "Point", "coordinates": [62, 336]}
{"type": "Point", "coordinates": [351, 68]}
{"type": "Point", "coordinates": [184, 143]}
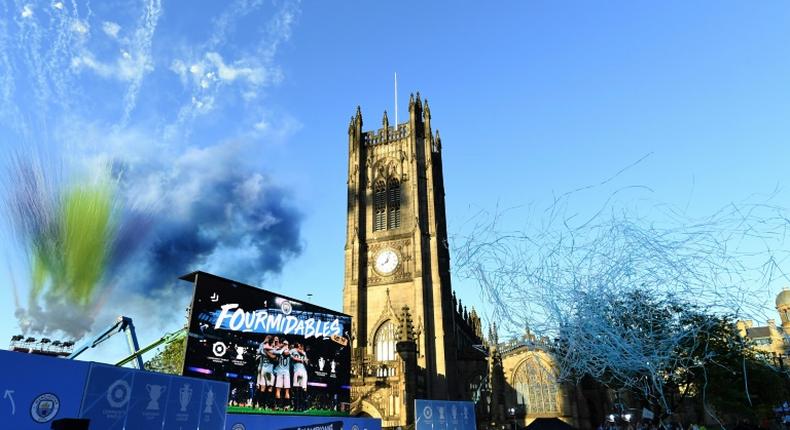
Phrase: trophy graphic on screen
{"type": "Point", "coordinates": [184, 396]}
{"type": "Point", "coordinates": [209, 401]}
{"type": "Point", "coordinates": [240, 350]}
{"type": "Point", "coordinates": [154, 393]}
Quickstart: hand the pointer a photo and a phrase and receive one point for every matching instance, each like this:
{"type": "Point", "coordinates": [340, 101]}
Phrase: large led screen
{"type": "Point", "coordinates": [279, 355]}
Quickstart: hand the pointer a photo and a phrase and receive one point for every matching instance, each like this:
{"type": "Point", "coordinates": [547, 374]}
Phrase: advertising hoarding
{"type": "Point", "coordinates": [121, 398]}
{"type": "Point", "coordinates": [43, 389]}
{"type": "Point", "coordinates": [37, 389]}
{"type": "Point", "coordinates": [279, 355]}
{"type": "Point", "coordinates": [444, 415]}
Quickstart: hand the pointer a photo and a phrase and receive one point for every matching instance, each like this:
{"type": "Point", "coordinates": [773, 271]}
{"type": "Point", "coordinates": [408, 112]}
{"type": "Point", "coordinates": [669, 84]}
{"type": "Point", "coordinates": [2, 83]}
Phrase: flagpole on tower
{"type": "Point", "coordinates": [396, 101]}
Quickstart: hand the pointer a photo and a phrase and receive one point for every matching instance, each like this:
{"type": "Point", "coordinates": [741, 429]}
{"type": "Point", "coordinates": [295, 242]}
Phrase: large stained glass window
{"type": "Point", "coordinates": [536, 387]}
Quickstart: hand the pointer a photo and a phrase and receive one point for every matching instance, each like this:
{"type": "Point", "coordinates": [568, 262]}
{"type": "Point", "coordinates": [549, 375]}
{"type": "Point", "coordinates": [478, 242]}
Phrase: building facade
{"type": "Point", "coordinates": [770, 339]}
{"type": "Point", "coordinates": [411, 337]}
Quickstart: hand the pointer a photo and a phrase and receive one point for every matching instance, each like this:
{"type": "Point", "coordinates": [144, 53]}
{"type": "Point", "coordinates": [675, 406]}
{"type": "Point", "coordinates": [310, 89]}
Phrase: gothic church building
{"type": "Point", "coordinates": [411, 339]}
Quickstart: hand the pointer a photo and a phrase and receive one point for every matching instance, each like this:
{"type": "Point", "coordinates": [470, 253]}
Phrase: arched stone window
{"type": "Point", "coordinates": [379, 206]}
{"type": "Point", "coordinates": [393, 204]}
{"type": "Point", "coordinates": [536, 387]}
{"type": "Point", "coordinates": [384, 341]}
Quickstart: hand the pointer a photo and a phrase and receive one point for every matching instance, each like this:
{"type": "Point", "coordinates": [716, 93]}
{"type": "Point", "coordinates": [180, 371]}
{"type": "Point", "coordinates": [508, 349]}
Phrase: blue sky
{"type": "Point", "coordinates": [540, 98]}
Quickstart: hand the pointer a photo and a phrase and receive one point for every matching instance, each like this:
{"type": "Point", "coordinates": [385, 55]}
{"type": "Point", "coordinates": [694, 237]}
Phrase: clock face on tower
{"type": "Point", "coordinates": [386, 261]}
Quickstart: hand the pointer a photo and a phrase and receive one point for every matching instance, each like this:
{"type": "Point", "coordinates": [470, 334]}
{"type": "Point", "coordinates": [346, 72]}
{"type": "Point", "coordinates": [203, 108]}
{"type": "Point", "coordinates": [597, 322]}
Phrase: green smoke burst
{"type": "Point", "coordinates": [86, 234]}
{"type": "Point", "coordinates": [70, 255]}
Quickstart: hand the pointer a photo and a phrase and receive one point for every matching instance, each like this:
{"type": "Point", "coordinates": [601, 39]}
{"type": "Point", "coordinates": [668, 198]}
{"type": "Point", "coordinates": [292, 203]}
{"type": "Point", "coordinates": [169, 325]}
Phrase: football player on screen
{"type": "Point", "coordinates": [282, 374]}
{"type": "Point", "coordinates": [265, 380]}
{"type": "Point", "coordinates": [299, 357]}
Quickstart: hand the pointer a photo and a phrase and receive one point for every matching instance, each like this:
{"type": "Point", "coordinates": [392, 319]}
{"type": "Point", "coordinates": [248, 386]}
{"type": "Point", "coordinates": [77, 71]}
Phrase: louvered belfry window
{"type": "Point", "coordinates": [384, 341]}
{"type": "Point", "coordinates": [379, 206]}
{"type": "Point", "coordinates": [393, 204]}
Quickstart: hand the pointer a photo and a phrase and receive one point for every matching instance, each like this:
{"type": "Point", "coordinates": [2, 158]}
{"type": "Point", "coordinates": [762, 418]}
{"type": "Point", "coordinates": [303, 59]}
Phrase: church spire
{"type": "Point", "coordinates": [426, 112]}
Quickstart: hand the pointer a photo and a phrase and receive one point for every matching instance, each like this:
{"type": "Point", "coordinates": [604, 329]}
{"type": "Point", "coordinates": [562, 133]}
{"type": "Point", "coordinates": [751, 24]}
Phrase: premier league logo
{"type": "Point", "coordinates": [44, 408]}
{"type": "Point", "coordinates": [118, 394]}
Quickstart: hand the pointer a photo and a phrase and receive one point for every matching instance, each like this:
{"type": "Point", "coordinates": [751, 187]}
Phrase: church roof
{"type": "Point", "coordinates": [514, 345]}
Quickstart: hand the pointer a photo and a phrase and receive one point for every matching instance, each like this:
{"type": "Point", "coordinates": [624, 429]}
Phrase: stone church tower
{"type": "Point", "coordinates": [411, 337]}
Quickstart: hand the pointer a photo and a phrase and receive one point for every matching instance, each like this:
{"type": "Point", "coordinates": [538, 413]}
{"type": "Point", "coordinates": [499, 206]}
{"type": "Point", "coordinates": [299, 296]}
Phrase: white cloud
{"type": "Point", "coordinates": [275, 127]}
{"type": "Point", "coordinates": [213, 69]}
{"type": "Point", "coordinates": [58, 5]}
{"type": "Point", "coordinates": [255, 75]}
{"type": "Point", "coordinates": [203, 104]}
{"type": "Point", "coordinates": [261, 125]}
{"type": "Point", "coordinates": [86, 60]}
{"type": "Point", "coordinates": [111, 29]}
{"type": "Point", "coordinates": [126, 67]}
{"type": "Point", "coordinates": [27, 11]}
{"type": "Point", "coordinates": [209, 73]}
{"type": "Point", "coordinates": [80, 27]}
{"type": "Point", "coordinates": [179, 68]}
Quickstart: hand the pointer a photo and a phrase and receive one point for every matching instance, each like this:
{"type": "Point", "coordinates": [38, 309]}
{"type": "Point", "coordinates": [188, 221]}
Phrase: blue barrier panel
{"type": "Point", "coordinates": [444, 415]}
{"type": "Point", "coordinates": [107, 396]}
{"type": "Point", "coordinates": [213, 405]}
{"type": "Point", "coordinates": [148, 401]}
{"type": "Point", "coordinates": [119, 398]}
{"type": "Point", "coordinates": [183, 406]}
{"type": "Point", "coordinates": [282, 422]}
{"type": "Point", "coordinates": [38, 389]}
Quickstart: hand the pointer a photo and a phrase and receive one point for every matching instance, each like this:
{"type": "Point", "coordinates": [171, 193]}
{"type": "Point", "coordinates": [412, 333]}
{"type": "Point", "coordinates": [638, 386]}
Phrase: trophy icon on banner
{"type": "Point", "coordinates": [209, 401]}
{"type": "Point", "coordinates": [154, 393]}
{"type": "Point", "coordinates": [184, 396]}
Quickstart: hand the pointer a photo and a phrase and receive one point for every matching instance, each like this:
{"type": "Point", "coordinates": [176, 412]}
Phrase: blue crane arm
{"type": "Point", "coordinates": [122, 323]}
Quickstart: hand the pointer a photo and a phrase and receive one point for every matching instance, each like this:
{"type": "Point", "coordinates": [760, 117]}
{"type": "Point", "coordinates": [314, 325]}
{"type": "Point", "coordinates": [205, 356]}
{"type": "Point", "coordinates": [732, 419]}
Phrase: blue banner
{"type": "Point", "coordinates": [118, 398]}
{"type": "Point", "coordinates": [37, 390]}
{"type": "Point", "coordinates": [334, 425]}
{"type": "Point", "coordinates": [41, 389]}
{"type": "Point", "coordinates": [284, 422]}
{"type": "Point", "coordinates": [444, 415]}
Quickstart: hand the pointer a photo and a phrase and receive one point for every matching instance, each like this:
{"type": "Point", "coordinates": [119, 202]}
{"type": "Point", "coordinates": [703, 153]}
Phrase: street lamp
{"type": "Point", "coordinates": [511, 412]}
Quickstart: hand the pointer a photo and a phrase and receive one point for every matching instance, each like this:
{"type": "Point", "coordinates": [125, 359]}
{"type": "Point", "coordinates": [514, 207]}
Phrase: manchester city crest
{"type": "Point", "coordinates": [44, 408]}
